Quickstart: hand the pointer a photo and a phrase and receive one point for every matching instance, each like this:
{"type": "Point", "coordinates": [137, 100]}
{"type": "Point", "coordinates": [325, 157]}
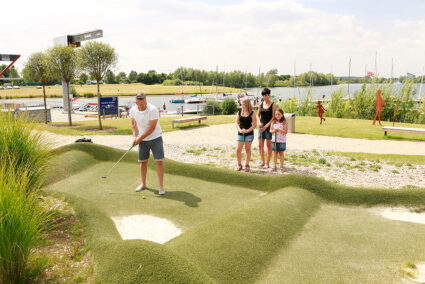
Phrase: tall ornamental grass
{"type": "Point", "coordinates": [23, 147]}
{"type": "Point", "coordinates": [336, 105]}
{"type": "Point", "coordinates": [22, 221]}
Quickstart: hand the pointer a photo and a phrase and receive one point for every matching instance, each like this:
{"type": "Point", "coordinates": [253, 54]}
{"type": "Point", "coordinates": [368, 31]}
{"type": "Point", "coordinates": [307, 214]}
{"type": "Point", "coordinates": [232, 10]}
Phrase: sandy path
{"type": "Point", "coordinates": [225, 134]}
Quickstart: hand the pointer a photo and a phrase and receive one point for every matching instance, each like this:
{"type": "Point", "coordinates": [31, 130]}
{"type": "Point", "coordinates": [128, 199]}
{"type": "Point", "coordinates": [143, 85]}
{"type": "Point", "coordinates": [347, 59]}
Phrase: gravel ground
{"type": "Point", "coordinates": [343, 170]}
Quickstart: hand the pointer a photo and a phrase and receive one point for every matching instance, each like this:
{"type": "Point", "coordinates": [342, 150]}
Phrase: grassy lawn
{"type": "Point", "coordinates": [113, 90]}
{"type": "Point", "coordinates": [123, 126]}
{"type": "Point", "coordinates": [393, 158]}
{"type": "Point", "coordinates": [237, 227]}
{"type": "Point", "coordinates": [339, 127]}
{"type": "Point", "coordinates": [353, 128]}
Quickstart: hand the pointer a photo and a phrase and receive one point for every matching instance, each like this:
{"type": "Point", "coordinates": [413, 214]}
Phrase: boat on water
{"type": "Point", "coordinates": [178, 100]}
{"type": "Point", "coordinates": [195, 100]}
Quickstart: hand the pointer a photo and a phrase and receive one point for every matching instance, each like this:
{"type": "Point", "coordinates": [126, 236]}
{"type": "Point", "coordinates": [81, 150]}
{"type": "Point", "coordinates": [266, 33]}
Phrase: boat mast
{"type": "Point", "coordinates": [376, 63]}
{"type": "Point", "coordinates": [349, 75]}
{"type": "Point", "coordinates": [392, 69]}
{"type": "Point", "coordinates": [332, 71]}
{"type": "Point", "coordinates": [295, 76]}
{"type": "Point", "coordinates": [422, 81]}
{"type": "Point", "coordinates": [224, 73]}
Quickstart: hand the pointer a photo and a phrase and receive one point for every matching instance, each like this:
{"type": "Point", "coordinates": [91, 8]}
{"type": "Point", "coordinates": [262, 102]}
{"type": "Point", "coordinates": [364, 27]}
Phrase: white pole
{"type": "Point", "coordinates": [349, 74]}
{"type": "Point", "coordinates": [311, 77]}
{"type": "Point", "coordinates": [332, 77]}
{"type": "Point", "coordinates": [295, 76]}
{"type": "Point", "coordinates": [392, 69]}
{"type": "Point", "coordinates": [422, 81]}
{"type": "Point", "coordinates": [376, 63]}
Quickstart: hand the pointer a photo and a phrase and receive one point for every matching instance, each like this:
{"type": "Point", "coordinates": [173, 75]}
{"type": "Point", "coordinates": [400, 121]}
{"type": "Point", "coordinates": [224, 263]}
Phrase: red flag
{"type": "Point", "coordinates": [370, 74]}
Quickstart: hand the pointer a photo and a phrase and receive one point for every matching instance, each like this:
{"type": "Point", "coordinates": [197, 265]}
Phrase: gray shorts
{"type": "Point", "coordinates": [157, 147]}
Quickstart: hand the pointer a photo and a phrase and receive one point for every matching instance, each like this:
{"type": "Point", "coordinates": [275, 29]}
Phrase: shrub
{"type": "Point", "coordinates": [306, 105]}
{"type": "Point", "coordinates": [289, 106]}
{"type": "Point", "coordinates": [21, 221]}
{"type": "Point", "coordinates": [336, 106]}
{"type": "Point", "coordinates": [74, 92]}
{"type": "Point", "coordinates": [23, 147]}
{"type": "Point", "coordinates": [212, 108]}
{"type": "Point", "coordinates": [229, 106]}
{"type": "Point", "coordinates": [88, 95]}
{"type": "Point", "coordinates": [175, 82]}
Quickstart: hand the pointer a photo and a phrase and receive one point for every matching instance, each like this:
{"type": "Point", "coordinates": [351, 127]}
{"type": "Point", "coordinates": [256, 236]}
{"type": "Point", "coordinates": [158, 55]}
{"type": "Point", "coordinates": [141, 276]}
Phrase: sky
{"type": "Point", "coordinates": [247, 35]}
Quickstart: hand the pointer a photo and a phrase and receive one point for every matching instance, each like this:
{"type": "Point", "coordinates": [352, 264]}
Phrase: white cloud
{"type": "Point", "coordinates": [165, 34]}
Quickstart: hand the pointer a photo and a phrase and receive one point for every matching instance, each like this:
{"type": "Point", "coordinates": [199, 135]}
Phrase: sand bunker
{"type": "Point", "coordinates": [401, 214]}
{"type": "Point", "coordinates": [146, 227]}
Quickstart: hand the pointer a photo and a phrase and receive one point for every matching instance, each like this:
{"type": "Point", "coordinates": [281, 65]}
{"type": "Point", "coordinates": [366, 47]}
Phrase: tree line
{"type": "Point", "coordinates": [235, 79]}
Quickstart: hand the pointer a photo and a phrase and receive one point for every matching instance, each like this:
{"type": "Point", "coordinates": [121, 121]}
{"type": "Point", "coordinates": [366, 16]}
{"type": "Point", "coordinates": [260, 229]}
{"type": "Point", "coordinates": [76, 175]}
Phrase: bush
{"type": "Point", "coordinates": [289, 106]}
{"type": "Point", "coordinates": [229, 106]}
{"type": "Point", "coordinates": [212, 108]}
{"type": "Point", "coordinates": [306, 105]}
{"type": "Point", "coordinates": [336, 106]}
{"type": "Point", "coordinates": [74, 91]}
{"type": "Point", "coordinates": [22, 147]}
{"type": "Point", "coordinates": [21, 221]}
{"type": "Point", "coordinates": [88, 95]}
{"type": "Point", "coordinates": [175, 82]}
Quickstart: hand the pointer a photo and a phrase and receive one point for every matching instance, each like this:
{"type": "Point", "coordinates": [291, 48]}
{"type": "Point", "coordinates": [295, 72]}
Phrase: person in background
{"type": "Point", "coordinates": [265, 114]}
{"type": "Point", "coordinates": [279, 129]}
{"type": "Point", "coordinates": [246, 121]}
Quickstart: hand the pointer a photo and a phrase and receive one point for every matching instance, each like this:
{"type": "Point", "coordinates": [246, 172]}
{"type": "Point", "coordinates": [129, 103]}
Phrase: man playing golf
{"type": "Point", "coordinates": [148, 135]}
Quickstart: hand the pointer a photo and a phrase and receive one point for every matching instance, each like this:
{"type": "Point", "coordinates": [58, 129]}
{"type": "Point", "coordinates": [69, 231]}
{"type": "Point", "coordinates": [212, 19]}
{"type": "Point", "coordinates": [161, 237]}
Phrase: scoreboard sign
{"type": "Point", "coordinates": [108, 105]}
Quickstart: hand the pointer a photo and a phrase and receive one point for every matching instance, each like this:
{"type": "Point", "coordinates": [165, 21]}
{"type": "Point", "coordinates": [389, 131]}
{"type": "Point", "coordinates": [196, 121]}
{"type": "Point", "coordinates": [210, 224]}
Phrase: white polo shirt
{"type": "Point", "coordinates": [142, 119]}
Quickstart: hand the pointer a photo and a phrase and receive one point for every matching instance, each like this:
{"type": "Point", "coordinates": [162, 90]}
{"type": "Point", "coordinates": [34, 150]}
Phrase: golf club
{"type": "Point", "coordinates": [118, 161]}
{"type": "Point", "coordinates": [243, 140]}
{"type": "Point", "coordinates": [275, 149]}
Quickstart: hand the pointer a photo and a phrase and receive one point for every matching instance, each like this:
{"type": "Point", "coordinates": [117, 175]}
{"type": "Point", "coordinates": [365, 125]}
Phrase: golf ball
{"type": "Point", "coordinates": [143, 197]}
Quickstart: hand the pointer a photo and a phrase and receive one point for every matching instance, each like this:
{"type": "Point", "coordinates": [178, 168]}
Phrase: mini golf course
{"type": "Point", "coordinates": [236, 227]}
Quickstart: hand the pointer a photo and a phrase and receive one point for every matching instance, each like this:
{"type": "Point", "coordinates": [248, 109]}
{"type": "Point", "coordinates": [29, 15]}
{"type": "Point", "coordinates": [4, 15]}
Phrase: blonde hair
{"type": "Point", "coordinates": [247, 104]}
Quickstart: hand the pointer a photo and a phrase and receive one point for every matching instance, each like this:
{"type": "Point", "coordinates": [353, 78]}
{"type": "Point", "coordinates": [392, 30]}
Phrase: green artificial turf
{"type": "Point", "coordinates": [237, 227]}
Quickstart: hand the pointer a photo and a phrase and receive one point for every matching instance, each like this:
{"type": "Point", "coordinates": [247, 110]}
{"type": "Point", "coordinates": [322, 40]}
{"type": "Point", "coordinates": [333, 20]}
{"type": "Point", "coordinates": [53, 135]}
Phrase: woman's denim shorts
{"type": "Point", "coordinates": [264, 135]}
{"type": "Point", "coordinates": [248, 138]}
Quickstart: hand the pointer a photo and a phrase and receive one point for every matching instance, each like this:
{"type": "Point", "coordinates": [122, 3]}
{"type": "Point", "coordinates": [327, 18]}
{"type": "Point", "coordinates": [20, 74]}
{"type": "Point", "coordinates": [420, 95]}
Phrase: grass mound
{"type": "Point", "coordinates": [235, 247]}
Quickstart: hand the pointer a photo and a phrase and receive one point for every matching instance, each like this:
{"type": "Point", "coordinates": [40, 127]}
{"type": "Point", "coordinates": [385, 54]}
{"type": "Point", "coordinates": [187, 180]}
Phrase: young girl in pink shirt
{"type": "Point", "coordinates": [279, 128]}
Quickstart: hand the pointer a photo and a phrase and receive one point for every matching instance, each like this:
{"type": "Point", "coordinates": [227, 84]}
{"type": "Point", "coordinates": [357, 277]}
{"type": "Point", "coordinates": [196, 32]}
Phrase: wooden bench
{"type": "Point", "coordinates": [403, 130]}
{"type": "Point", "coordinates": [189, 119]}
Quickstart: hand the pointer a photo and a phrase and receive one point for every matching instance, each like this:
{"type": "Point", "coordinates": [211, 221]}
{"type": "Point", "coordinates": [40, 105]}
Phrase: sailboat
{"type": "Point", "coordinates": [195, 100]}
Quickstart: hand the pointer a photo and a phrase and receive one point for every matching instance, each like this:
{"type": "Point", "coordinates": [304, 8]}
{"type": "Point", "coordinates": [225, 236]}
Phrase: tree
{"type": "Point", "coordinates": [121, 78]}
{"type": "Point", "coordinates": [37, 70]}
{"type": "Point", "coordinates": [110, 77]}
{"type": "Point", "coordinates": [62, 61]}
{"type": "Point", "coordinates": [132, 76]}
{"type": "Point", "coordinates": [83, 78]}
{"type": "Point", "coordinates": [96, 58]}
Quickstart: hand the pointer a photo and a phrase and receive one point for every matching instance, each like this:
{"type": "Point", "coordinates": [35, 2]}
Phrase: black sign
{"type": "Point", "coordinates": [85, 36]}
{"type": "Point", "coordinates": [8, 57]}
{"type": "Point", "coordinates": [108, 105]}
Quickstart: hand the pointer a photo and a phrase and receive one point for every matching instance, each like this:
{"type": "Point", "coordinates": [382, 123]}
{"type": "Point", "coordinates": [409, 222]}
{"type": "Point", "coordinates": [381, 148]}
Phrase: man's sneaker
{"type": "Point", "coordinates": [161, 191]}
{"type": "Point", "coordinates": [141, 187]}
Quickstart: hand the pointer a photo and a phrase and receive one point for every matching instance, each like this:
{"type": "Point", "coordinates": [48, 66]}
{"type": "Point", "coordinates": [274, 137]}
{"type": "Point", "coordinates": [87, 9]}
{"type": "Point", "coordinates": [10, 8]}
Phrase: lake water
{"type": "Point", "coordinates": [159, 100]}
